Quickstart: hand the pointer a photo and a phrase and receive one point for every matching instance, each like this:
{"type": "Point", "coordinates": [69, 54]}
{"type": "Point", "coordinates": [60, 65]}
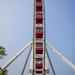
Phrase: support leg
{"type": "Point", "coordinates": [22, 73]}
{"type": "Point", "coordinates": [50, 62]}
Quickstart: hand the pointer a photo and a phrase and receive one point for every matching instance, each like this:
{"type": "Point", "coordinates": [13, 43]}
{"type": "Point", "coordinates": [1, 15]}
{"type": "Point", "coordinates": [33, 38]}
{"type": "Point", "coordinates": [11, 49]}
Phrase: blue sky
{"type": "Point", "coordinates": [16, 25]}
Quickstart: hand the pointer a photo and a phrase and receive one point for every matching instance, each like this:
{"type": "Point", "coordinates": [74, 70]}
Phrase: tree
{"type": "Point", "coordinates": [2, 51]}
{"type": "Point", "coordinates": [3, 72]}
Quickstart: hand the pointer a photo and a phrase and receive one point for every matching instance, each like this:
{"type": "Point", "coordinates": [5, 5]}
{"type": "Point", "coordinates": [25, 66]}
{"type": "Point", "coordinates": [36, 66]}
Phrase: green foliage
{"type": "Point", "coordinates": [3, 72]}
{"type": "Point", "coordinates": [2, 51]}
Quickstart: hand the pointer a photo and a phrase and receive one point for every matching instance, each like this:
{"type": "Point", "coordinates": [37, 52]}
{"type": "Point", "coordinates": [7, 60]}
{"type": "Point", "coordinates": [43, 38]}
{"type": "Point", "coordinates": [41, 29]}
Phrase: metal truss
{"type": "Point", "coordinates": [54, 50]}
